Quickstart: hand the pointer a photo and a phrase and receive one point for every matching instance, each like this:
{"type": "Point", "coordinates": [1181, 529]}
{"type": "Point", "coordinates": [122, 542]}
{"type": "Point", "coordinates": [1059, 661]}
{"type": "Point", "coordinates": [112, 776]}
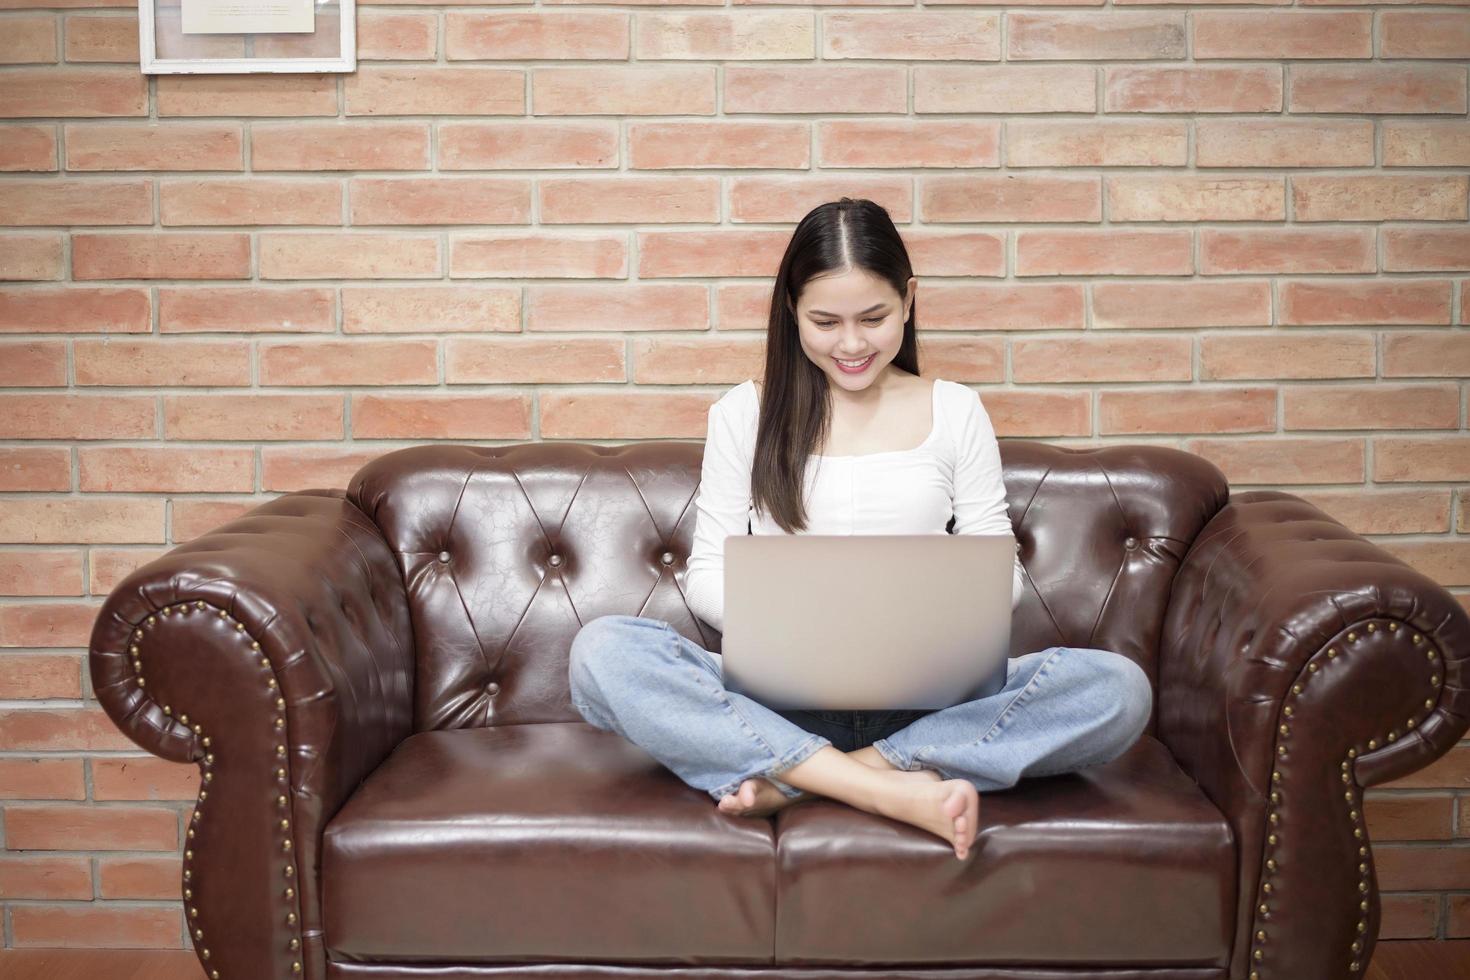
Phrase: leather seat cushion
{"type": "Point", "coordinates": [1122, 864]}
{"type": "Point", "coordinates": [559, 842]}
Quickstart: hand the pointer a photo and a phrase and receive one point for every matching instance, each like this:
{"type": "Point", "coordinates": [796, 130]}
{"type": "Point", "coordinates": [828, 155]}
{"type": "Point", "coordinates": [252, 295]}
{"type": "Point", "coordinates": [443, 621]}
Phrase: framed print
{"type": "Point", "coordinates": [221, 36]}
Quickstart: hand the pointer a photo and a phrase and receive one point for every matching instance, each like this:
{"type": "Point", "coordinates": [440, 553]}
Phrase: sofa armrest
{"type": "Point", "coordinates": [1301, 663]}
{"type": "Point", "coordinates": [275, 652]}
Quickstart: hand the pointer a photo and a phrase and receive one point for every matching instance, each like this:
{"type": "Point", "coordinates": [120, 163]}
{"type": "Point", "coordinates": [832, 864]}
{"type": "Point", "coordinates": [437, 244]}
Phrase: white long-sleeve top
{"type": "Point", "coordinates": [955, 472]}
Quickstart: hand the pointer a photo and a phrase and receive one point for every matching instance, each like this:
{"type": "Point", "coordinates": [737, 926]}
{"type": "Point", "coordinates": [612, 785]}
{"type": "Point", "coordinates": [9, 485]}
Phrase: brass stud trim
{"type": "Point", "coordinates": [207, 761]}
{"type": "Point", "coordinates": [1355, 817]}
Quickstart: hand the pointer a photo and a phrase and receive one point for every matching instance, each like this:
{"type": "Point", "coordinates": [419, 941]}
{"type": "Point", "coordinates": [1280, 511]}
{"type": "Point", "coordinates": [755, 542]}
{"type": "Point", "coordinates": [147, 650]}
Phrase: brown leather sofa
{"type": "Point", "coordinates": [396, 785]}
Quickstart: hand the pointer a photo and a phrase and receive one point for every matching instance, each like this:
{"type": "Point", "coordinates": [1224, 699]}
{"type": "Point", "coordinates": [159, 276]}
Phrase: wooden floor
{"type": "Point", "coordinates": [1398, 960]}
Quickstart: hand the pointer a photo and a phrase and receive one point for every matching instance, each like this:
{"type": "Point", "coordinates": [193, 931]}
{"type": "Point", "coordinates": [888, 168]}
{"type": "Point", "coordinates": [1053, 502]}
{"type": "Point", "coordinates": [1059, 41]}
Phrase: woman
{"type": "Point", "coordinates": [842, 374]}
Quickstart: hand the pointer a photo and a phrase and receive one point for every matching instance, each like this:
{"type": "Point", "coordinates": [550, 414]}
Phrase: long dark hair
{"type": "Point", "coordinates": [796, 401]}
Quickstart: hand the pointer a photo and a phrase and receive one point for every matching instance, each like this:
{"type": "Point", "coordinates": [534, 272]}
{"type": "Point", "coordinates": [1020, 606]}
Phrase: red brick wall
{"type": "Point", "coordinates": [1242, 232]}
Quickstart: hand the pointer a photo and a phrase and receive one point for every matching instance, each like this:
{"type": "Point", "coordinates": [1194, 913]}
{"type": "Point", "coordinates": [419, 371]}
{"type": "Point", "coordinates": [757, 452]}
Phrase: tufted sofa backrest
{"type": "Point", "coordinates": [507, 551]}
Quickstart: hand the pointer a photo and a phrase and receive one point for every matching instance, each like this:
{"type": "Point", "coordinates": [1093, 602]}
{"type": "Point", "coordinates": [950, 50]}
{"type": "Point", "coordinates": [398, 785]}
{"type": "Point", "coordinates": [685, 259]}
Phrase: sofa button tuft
{"type": "Point", "coordinates": [667, 558]}
{"type": "Point", "coordinates": [1130, 543]}
{"type": "Point", "coordinates": [492, 688]}
{"type": "Point", "coordinates": [555, 559]}
{"type": "Point", "coordinates": [444, 557]}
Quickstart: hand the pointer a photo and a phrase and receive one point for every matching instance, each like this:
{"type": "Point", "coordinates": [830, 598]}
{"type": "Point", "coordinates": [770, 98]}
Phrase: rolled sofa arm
{"type": "Point", "coordinates": [276, 652]}
{"type": "Point", "coordinates": [1301, 663]}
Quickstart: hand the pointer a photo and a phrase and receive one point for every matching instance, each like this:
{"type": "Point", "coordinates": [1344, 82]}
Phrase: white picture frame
{"type": "Point", "coordinates": [164, 49]}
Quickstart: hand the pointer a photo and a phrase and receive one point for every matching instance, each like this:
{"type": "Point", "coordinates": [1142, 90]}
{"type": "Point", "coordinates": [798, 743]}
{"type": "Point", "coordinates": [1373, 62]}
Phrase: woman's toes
{"type": "Point", "coordinates": [957, 808]}
{"type": "Point", "coordinates": [954, 803]}
{"type": "Point", "coordinates": [755, 797]}
{"type": "Point", "coordinates": [748, 793]}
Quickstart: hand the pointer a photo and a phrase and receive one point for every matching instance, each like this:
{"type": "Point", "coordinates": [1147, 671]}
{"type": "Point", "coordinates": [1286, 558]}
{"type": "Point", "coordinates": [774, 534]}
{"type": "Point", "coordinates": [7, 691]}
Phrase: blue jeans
{"type": "Point", "coordinates": [1062, 708]}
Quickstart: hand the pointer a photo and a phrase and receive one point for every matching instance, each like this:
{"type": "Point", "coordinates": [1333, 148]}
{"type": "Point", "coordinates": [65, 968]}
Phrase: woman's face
{"type": "Point", "coordinates": [852, 316]}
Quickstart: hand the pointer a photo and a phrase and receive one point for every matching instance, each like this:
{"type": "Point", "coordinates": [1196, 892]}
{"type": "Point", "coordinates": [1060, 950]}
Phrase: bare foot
{"type": "Point", "coordinates": [950, 809]}
{"type": "Point", "coordinates": [758, 797]}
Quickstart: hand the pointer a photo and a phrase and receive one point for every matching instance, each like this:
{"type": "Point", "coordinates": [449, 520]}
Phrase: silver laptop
{"type": "Point", "coordinates": [867, 621]}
